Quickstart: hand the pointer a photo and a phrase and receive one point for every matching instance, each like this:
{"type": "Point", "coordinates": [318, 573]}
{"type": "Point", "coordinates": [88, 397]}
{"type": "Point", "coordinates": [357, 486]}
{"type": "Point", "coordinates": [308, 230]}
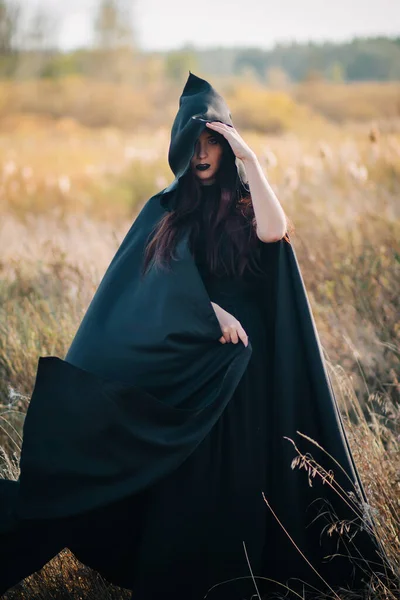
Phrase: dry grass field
{"type": "Point", "coordinates": [68, 195]}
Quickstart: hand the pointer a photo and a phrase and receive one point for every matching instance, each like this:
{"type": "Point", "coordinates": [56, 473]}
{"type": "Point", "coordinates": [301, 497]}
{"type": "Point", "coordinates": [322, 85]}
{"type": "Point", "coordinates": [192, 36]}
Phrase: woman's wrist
{"type": "Point", "coordinates": [215, 307]}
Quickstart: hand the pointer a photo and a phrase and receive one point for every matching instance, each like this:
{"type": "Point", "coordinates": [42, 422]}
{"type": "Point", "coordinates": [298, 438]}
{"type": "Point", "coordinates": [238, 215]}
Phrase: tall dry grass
{"type": "Point", "coordinates": [69, 194]}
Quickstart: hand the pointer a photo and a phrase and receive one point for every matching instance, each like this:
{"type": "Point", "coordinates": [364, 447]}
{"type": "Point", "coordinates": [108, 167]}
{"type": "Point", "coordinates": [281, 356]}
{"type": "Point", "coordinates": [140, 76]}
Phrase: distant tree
{"type": "Point", "coordinates": [113, 57]}
{"type": "Point", "coordinates": [336, 72]}
{"type": "Point", "coordinates": [252, 60]}
{"type": "Point", "coordinates": [41, 31]}
{"type": "Point", "coordinates": [10, 12]}
{"type": "Point", "coordinates": [37, 43]}
{"type": "Point", "coordinates": [113, 25]}
{"type": "Point", "coordinates": [370, 64]}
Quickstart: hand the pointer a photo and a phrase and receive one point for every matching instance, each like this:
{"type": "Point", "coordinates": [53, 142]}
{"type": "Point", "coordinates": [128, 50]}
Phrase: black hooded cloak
{"type": "Point", "coordinates": [117, 462]}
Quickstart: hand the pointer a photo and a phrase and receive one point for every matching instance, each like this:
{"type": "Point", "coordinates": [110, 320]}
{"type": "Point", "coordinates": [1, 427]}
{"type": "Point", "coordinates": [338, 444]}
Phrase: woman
{"type": "Point", "coordinates": [159, 450]}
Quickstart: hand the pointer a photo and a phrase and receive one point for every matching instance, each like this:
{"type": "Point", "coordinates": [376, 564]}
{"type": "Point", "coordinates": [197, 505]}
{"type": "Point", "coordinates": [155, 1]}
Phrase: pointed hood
{"type": "Point", "coordinates": [198, 104]}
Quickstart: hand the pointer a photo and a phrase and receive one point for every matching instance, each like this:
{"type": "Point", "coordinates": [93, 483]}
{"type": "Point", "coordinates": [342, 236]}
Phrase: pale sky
{"type": "Point", "coordinates": [168, 24]}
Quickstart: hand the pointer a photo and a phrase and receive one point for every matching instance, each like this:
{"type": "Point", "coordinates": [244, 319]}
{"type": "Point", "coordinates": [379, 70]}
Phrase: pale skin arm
{"type": "Point", "coordinates": [270, 217]}
{"type": "Point", "coordinates": [271, 222]}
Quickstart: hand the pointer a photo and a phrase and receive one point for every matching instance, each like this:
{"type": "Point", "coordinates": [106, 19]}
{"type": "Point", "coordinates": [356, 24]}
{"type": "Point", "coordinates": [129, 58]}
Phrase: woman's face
{"type": "Point", "coordinates": [208, 151]}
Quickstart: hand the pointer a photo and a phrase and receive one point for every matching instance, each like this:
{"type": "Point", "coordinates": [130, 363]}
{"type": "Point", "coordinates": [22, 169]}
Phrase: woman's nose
{"type": "Point", "coordinates": [201, 151]}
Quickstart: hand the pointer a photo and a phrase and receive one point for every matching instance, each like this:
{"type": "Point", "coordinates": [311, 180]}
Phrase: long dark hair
{"type": "Point", "coordinates": [229, 223]}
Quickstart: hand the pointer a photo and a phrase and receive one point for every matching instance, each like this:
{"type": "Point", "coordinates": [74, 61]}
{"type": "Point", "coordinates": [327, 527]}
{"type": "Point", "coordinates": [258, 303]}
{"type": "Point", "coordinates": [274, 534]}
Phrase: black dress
{"type": "Point", "coordinates": [218, 510]}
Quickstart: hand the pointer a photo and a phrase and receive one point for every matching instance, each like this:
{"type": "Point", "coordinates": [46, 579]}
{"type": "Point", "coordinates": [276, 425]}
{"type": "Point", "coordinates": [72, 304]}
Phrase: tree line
{"type": "Point", "coordinates": [29, 48]}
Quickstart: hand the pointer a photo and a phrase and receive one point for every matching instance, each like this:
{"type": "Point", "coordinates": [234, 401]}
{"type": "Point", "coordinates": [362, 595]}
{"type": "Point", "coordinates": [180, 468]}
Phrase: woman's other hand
{"type": "Point", "coordinates": [231, 328]}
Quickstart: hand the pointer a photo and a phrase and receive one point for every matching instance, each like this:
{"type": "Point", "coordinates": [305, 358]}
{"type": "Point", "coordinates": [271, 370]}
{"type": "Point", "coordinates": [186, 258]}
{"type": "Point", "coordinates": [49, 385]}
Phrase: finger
{"type": "Point", "coordinates": [217, 124]}
{"type": "Point", "coordinates": [222, 340]}
{"type": "Point", "coordinates": [228, 331]}
{"type": "Point", "coordinates": [220, 130]}
{"type": "Point", "coordinates": [243, 336]}
{"type": "Point", "coordinates": [226, 334]}
{"type": "Point", "coordinates": [234, 335]}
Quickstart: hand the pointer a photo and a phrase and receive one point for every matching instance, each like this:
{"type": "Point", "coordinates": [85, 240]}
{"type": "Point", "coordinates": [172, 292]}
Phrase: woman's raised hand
{"type": "Point", "coordinates": [231, 328]}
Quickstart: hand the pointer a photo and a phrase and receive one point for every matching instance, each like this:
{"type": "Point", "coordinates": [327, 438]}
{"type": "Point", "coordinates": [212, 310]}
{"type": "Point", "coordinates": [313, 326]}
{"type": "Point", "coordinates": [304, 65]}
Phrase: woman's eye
{"type": "Point", "coordinates": [213, 141]}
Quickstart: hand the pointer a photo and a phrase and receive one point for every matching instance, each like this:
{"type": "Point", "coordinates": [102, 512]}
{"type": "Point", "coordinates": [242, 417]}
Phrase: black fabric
{"type": "Point", "coordinates": [147, 449]}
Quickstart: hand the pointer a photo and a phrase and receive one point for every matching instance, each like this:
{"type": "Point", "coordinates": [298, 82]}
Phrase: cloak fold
{"type": "Point", "coordinates": [146, 379]}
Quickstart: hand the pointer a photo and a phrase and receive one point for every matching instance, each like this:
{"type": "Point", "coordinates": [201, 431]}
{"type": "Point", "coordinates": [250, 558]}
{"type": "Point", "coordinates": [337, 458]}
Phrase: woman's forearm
{"type": "Point", "coordinates": [269, 214]}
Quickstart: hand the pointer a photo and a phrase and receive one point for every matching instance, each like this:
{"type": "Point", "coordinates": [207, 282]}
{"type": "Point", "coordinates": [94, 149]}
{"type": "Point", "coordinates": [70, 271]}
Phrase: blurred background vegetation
{"type": "Point", "coordinates": [112, 81]}
{"type": "Point", "coordinates": [84, 137]}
